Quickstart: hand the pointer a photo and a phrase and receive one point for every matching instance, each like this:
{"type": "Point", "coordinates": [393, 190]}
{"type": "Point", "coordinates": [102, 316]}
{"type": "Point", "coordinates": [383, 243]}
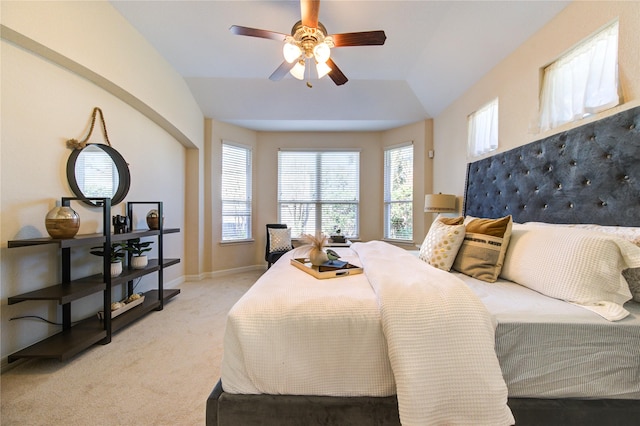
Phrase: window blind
{"type": "Point", "coordinates": [319, 191]}
{"type": "Point", "coordinates": [96, 173]}
{"type": "Point", "coordinates": [236, 192]}
{"type": "Point", "coordinates": [398, 192]}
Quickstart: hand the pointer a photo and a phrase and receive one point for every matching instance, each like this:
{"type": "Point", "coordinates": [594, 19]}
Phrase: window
{"type": "Point", "coordinates": [582, 82]}
{"type": "Point", "coordinates": [398, 192]}
{"type": "Point", "coordinates": [96, 173]}
{"type": "Point", "coordinates": [483, 130]}
{"type": "Point", "coordinates": [236, 192]}
{"type": "Point", "coordinates": [319, 190]}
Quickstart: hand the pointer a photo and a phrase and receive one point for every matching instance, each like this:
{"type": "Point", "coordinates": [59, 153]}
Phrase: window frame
{"type": "Point", "coordinates": [388, 198]}
{"type": "Point", "coordinates": [572, 86]}
{"type": "Point", "coordinates": [482, 129]}
{"type": "Point", "coordinates": [314, 198]}
{"type": "Point", "coordinates": [248, 192]}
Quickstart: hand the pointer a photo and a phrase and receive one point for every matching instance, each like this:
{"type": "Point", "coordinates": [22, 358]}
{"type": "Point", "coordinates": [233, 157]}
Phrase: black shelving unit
{"type": "Point", "coordinates": [77, 337]}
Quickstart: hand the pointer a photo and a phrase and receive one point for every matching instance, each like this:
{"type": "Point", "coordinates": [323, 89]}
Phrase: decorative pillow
{"type": "Point", "coordinates": [577, 265]}
{"type": "Point", "coordinates": [484, 247]}
{"type": "Point", "coordinates": [450, 220]}
{"type": "Point", "coordinates": [442, 242]}
{"type": "Point", "coordinates": [632, 275]}
{"type": "Point", "coordinates": [279, 239]}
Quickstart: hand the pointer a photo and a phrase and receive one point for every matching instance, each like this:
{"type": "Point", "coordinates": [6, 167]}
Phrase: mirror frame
{"type": "Point", "coordinates": [124, 178]}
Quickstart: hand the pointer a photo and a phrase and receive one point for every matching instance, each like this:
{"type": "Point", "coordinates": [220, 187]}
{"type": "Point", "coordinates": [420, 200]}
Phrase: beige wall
{"type": "Point", "coordinates": [48, 94]}
{"type": "Point", "coordinates": [516, 82]}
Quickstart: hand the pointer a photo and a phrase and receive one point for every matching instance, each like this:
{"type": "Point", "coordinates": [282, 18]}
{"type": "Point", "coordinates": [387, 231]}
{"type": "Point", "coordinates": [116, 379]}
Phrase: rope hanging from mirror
{"type": "Point", "coordinates": [74, 144]}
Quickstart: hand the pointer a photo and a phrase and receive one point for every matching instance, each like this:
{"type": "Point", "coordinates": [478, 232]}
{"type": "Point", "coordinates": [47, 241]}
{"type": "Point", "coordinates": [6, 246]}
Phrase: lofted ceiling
{"type": "Point", "coordinates": [434, 52]}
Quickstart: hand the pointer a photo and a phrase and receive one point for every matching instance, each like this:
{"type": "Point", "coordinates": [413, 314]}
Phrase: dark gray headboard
{"type": "Point", "coordinates": [590, 174]}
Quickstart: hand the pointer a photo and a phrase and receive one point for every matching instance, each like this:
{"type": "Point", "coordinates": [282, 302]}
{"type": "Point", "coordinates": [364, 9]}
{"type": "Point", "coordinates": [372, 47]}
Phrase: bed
{"type": "Point", "coordinates": [312, 352]}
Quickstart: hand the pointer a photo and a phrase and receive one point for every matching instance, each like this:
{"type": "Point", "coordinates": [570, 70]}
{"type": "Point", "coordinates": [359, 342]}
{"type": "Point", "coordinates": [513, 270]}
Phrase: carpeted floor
{"type": "Point", "coordinates": [157, 371]}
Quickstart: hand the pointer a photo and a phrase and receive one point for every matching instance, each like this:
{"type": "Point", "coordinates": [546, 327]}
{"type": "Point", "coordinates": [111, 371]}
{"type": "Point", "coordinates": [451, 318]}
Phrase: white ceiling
{"type": "Point", "coordinates": [435, 51]}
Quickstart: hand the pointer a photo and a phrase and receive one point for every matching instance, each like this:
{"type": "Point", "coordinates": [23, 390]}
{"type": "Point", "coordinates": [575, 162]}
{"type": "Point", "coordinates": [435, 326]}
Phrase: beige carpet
{"type": "Point", "coordinates": [158, 371]}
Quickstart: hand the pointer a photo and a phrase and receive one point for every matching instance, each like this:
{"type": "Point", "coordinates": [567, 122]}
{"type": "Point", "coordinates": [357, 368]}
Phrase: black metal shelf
{"type": "Point", "coordinates": [77, 337]}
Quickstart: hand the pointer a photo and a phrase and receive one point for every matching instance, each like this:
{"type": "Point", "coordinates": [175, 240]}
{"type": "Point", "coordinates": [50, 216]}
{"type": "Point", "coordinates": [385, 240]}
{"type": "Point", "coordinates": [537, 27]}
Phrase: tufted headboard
{"type": "Point", "coordinates": [590, 174]}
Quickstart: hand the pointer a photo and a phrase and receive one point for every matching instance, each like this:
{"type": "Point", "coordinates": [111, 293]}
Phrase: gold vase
{"type": "Point", "coordinates": [62, 222]}
{"type": "Point", "coordinates": [318, 257]}
{"type": "Point", "coordinates": [153, 219]}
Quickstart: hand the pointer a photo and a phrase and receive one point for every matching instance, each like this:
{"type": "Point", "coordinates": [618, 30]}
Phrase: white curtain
{"type": "Point", "coordinates": [582, 82]}
{"type": "Point", "coordinates": [483, 130]}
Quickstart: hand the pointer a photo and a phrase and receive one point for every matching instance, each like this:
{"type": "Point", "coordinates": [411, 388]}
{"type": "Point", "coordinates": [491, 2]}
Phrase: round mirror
{"type": "Point", "coordinates": [98, 171]}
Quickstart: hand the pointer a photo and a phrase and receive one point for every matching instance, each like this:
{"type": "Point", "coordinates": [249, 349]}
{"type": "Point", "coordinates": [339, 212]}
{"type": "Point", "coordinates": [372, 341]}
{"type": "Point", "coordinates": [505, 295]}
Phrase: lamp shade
{"type": "Point", "coordinates": [323, 69]}
{"type": "Point", "coordinates": [298, 70]}
{"type": "Point", "coordinates": [439, 203]}
{"type": "Point", "coordinates": [291, 52]}
{"type": "Point", "coordinates": [322, 52]}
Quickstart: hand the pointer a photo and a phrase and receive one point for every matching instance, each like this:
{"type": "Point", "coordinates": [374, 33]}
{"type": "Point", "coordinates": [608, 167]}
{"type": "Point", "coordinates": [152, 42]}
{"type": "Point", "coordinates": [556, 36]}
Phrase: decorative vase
{"type": "Point", "coordinates": [116, 268]}
{"type": "Point", "coordinates": [139, 262]}
{"type": "Point", "coordinates": [153, 219]}
{"type": "Point", "coordinates": [318, 257]}
{"type": "Point", "coordinates": [62, 222]}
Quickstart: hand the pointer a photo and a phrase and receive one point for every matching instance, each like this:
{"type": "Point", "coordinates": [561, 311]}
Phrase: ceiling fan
{"type": "Point", "coordinates": [309, 43]}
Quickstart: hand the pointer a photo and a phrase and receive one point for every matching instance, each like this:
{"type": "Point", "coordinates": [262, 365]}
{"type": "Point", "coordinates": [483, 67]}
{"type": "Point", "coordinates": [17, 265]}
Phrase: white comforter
{"type": "Point", "coordinates": [420, 333]}
{"type": "Point", "coordinates": [440, 340]}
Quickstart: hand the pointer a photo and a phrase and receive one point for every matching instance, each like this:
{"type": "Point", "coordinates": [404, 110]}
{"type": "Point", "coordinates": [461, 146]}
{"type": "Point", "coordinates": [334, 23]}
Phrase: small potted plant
{"type": "Point", "coordinates": [138, 249]}
{"type": "Point", "coordinates": [116, 254]}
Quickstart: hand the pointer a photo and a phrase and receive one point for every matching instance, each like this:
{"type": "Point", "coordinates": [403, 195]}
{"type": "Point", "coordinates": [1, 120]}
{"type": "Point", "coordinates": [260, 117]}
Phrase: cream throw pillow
{"type": "Point", "coordinates": [580, 266]}
{"type": "Point", "coordinates": [279, 239]}
{"type": "Point", "coordinates": [442, 242]}
{"type": "Point", "coordinates": [632, 234]}
{"type": "Point", "coordinates": [482, 252]}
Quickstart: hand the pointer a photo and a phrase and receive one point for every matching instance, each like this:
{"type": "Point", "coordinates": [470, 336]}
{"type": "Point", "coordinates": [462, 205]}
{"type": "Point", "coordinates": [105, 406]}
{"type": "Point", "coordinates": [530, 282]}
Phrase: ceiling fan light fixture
{"type": "Point", "coordinates": [323, 69]}
{"type": "Point", "coordinates": [291, 52]}
{"type": "Point", "coordinates": [321, 51]}
{"type": "Point", "coordinates": [298, 70]}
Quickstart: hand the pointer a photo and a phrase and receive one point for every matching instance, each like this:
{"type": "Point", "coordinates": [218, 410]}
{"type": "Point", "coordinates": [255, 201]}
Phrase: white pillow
{"type": "Point", "coordinates": [279, 239]}
{"type": "Point", "coordinates": [632, 234]}
{"type": "Point", "coordinates": [441, 244]}
{"type": "Point", "coordinates": [577, 265]}
{"type": "Point", "coordinates": [628, 233]}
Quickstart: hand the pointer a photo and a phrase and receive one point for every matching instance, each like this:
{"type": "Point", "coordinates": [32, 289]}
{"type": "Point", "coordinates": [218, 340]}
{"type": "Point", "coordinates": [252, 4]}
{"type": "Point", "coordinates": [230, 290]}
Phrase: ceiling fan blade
{"type": "Point", "coordinates": [281, 71]}
{"type": "Point", "coordinates": [366, 38]}
{"type": "Point", "coordinates": [335, 74]}
{"type": "Point", "coordinates": [310, 10]}
{"type": "Point", "coordinates": [254, 32]}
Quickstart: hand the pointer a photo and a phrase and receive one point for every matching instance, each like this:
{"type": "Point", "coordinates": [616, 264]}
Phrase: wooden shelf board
{"type": "Point", "coordinates": [169, 262]}
{"type": "Point", "coordinates": [65, 344]}
{"type": "Point", "coordinates": [129, 274]}
{"type": "Point", "coordinates": [77, 241]}
{"type": "Point", "coordinates": [88, 239]}
{"type": "Point", "coordinates": [63, 293]}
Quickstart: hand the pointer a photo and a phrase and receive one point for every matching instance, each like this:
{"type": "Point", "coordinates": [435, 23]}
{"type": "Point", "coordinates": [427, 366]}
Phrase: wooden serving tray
{"type": "Point", "coordinates": [324, 272]}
